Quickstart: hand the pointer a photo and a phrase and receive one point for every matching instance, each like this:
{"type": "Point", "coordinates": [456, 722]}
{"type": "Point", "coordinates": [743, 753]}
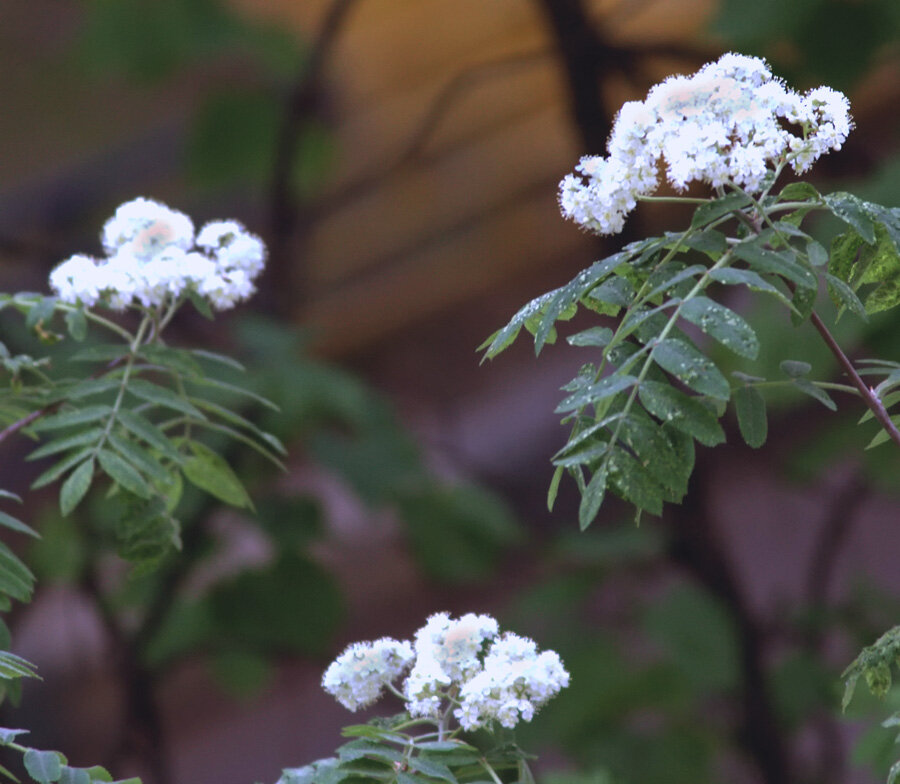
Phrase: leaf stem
{"type": "Point", "coordinates": [869, 396]}
{"type": "Point", "coordinates": [126, 373]}
{"type": "Point", "coordinates": [490, 771]}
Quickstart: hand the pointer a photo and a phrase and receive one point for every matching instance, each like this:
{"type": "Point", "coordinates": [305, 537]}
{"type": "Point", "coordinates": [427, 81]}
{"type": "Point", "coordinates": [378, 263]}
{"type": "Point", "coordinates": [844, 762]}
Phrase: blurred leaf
{"type": "Point", "coordinates": [293, 522]}
{"type": "Point", "coordinates": [697, 633]}
{"type": "Point", "coordinates": [291, 606]}
{"type": "Point", "coordinates": [59, 556]}
{"type": "Point", "coordinates": [187, 627]}
{"type": "Point", "coordinates": [43, 766]}
{"type": "Point", "coordinates": [75, 487]}
{"type": "Point", "coordinates": [242, 674]}
{"type": "Point", "coordinates": [457, 533]}
{"type": "Point", "coordinates": [750, 407]}
{"type": "Point", "coordinates": [209, 471]}
{"type": "Point", "coordinates": [233, 138]}
{"type": "Point", "coordinates": [150, 40]}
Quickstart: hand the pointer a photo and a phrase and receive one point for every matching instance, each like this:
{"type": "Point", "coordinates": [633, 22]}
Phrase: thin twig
{"type": "Point", "coordinates": [870, 398]}
{"type": "Point", "coordinates": [50, 408]}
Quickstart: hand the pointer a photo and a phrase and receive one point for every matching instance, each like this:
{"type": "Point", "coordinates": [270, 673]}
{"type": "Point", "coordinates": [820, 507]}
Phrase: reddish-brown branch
{"type": "Point", "coordinates": [870, 398]}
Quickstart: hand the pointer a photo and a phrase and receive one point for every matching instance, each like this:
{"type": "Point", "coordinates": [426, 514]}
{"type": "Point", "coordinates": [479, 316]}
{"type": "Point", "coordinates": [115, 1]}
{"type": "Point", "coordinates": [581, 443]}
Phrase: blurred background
{"type": "Point", "coordinates": [400, 158]}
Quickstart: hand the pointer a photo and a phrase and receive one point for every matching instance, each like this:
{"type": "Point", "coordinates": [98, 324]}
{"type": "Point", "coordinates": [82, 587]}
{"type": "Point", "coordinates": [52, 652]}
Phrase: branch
{"type": "Point", "coordinates": [695, 546]}
{"type": "Point", "coordinates": [870, 398]}
{"type": "Point", "coordinates": [302, 102]}
{"type": "Point", "coordinates": [452, 92]}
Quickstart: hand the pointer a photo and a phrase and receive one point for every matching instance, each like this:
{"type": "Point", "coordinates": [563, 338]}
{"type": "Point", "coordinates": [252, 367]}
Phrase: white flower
{"type": "Point", "coordinates": [152, 260]}
{"type": "Point", "coordinates": [77, 280]}
{"type": "Point", "coordinates": [358, 676]}
{"type": "Point", "coordinates": [447, 652]}
{"type": "Point", "coordinates": [516, 680]}
{"type": "Point", "coordinates": [233, 247]}
{"type": "Point", "coordinates": [727, 123]}
{"type": "Point", "coordinates": [145, 227]}
{"type": "Point", "coordinates": [463, 661]}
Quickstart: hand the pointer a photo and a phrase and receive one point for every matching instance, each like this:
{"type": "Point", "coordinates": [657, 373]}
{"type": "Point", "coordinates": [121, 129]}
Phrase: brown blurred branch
{"type": "Point", "coordinates": [694, 545]}
{"type": "Point", "coordinates": [451, 93]}
{"type": "Point", "coordinates": [285, 217]}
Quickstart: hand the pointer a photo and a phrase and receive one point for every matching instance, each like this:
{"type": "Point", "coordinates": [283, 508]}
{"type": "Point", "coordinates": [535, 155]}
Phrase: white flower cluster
{"type": "Point", "coordinates": [464, 663]}
{"type": "Point", "coordinates": [153, 256]}
{"type": "Point", "coordinates": [726, 123]}
{"type": "Point", "coordinates": [359, 675]}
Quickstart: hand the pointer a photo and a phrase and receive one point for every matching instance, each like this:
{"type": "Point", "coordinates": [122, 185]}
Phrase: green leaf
{"type": "Point", "coordinates": [751, 413]}
{"type": "Point", "coordinates": [220, 359]}
{"type": "Point", "coordinates": [143, 460]}
{"type": "Point", "coordinates": [592, 498]}
{"type": "Point", "coordinates": [100, 353]}
{"type": "Point", "coordinates": [91, 436]}
{"type": "Point", "coordinates": [201, 304]}
{"type": "Point", "coordinates": [777, 262]}
{"type": "Point", "coordinates": [41, 312]}
{"type": "Point", "coordinates": [711, 242]}
{"type": "Point", "coordinates": [691, 367]}
{"type": "Point", "coordinates": [43, 766]}
{"type": "Point", "coordinates": [91, 387]}
{"type": "Point", "coordinates": [76, 323]}
{"type": "Point", "coordinates": [808, 388]}
{"type": "Point", "coordinates": [77, 416]}
{"type": "Point", "coordinates": [617, 292]}
{"type": "Point", "coordinates": [153, 393]}
{"type": "Point", "coordinates": [76, 486]}
{"type": "Point", "coordinates": [733, 277]}
{"type": "Point", "coordinates": [236, 419]}
{"type": "Point", "coordinates": [684, 413]}
{"type": "Point", "coordinates": [179, 360]}
{"type": "Point", "coordinates": [795, 368]}
{"type": "Point", "coordinates": [854, 212]}
{"type": "Point", "coordinates": [594, 393]}
{"type": "Point", "coordinates": [633, 482]}
{"type": "Point", "coordinates": [75, 775]}
{"type": "Point", "coordinates": [707, 213]}
{"type": "Point", "coordinates": [12, 584]}
{"type": "Point", "coordinates": [594, 336]}
{"type": "Point", "coordinates": [669, 277]}
{"type": "Point", "coordinates": [148, 432]}
{"type": "Point", "coordinates": [245, 439]}
{"type": "Point", "coordinates": [858, 263]}
{"type": "Point", "coordinates": [554, 487]}
{"type": "Point", "coordinates": [8, 521]}
{"type": "Point", "coordinates": [723, 324]}
{"type": "Point", "coordinates": [56, 471]}
{"type": "Point", "coordinates": [804, 300]}
{"type": "Point", "coordinates": [845, 297]}
{"type": "Point", "coordinates": [210, 472]}
{"type": "Point", "coordinates": [798, 191]}
{"type": "Point", "coordinates": [562, 297]}
{"type": "Point", "coordinates": [123, 473]}
{"type": "Point", "coordinates": [234, 389]}
{"type": "Point", "coordinates": [432, 768]}
{"type": "Point", "coordinates": [8, 736]}
{"type": "Point", "coordinates": [653, 448]}
{"type": "Point", "coordinates": [816, 254]}
{"type": "Point", "coordinates": [12, 666]}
